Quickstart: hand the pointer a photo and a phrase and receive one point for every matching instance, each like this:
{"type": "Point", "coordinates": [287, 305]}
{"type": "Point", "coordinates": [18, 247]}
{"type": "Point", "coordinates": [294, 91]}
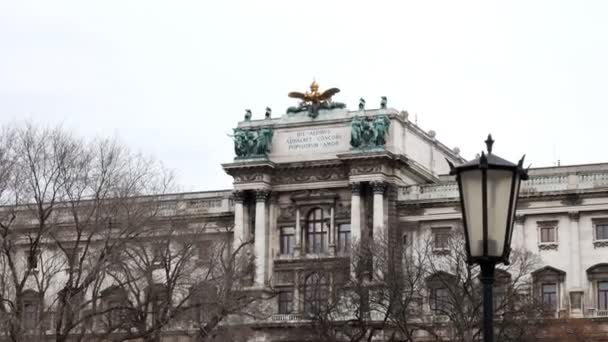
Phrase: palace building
{"type": "Point", "coordinates": [310, 182]}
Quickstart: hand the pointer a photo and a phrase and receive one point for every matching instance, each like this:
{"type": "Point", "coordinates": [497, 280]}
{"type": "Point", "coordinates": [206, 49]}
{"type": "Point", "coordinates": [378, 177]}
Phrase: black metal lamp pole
{"type": "Point", "coordinates": [487, 279]}
{"type": "Point", "coordinates": [489, 188]}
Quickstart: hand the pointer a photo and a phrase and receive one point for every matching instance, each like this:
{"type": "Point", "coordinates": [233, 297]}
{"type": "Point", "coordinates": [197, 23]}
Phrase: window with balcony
{"type": "Point", "coordinates": [602, 295]}
{"type": "Point", "coordinates": [316, 293]}
{"type": "Point", "coordinates": [287, 240]}
{"type": "Point", "coordinates": [549, 296]}
{"type": "Point", "coordinates": [598, 277]}
{"type": "Point", "coordinates": [285, 302]}
{"type": "Point", "coordinates": [316, 232]}
{"type": "Point", "coordinates": [547, 283]}
{"type": "Point", "coordinates": [344, 238]}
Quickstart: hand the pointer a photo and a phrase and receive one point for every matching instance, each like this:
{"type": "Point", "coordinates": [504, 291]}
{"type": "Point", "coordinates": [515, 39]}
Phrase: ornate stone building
{"type": "Point", "coordinates": [310, 182]}
{"type": "Point", "coordinates": [320, 181]}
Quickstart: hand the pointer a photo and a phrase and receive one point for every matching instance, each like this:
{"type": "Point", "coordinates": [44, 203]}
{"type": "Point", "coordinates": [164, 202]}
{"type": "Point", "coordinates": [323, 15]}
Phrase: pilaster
{"type": "Point", "coordinates": [239, 234]}
{"type": "Point", "coordinates": [261, 237]}
{"type": "Point", "coordinates": [575, 251]}
{"type": "Point", "coordinates": [355, 221]}
{"type": "Point", "coordinates": [297, 250]}
{"type": "Point", "coordinates": [378, 219]}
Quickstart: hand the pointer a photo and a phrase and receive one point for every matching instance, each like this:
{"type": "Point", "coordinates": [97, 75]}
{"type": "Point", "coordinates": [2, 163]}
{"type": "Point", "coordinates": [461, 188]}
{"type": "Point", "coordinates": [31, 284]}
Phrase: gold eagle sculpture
{"type": "Point", "coordinates": [314, 100]}
{"type": "Point", "coordinates": [314, 96]}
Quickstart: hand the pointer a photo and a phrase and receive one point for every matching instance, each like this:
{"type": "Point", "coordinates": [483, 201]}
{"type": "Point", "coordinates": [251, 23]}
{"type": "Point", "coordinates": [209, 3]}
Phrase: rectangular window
{"type": "Point", "coordinates": [576, 300]}
{"type": "Point", "coordinates": [601, 231]}
{"type": "Point", "coordinates": [205, 250]}
{"type": "Point", "coordinates": [287, 240]}
{"type": "Point", "coordinates": [30, 314]}
{"type": "Point", "coordinates": [547, 234]}
{"type": "Point", "coordinates": [344, 238]}
{"type": "Point", "coordinates": [549, 296]}
{"type": "Point", "coordinates": [438, 298]}
{"type": "Point", "coordinates": [285, 302]}
{"type": "Point", "coordinates": [602, 295]}
{"type": "Point", "coordinates": [441, 237]}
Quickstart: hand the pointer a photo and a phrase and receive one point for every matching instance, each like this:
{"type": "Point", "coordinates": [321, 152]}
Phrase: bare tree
{"type": "Point", "coordinates": [455, 296]}
{"type": "Point", "coordinates": [69, 205]}
{"type": "Point", "coordinates": [378, 297]}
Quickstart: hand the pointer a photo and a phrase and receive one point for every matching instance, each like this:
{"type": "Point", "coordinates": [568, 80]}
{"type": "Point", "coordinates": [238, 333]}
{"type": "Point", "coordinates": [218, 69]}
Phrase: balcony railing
{"type": "Point", "coordinates": [287, 317]}
{"type": "Point", "coordinates": [601, 313]}
{"type": "Point", "coordinates": [536, 184]}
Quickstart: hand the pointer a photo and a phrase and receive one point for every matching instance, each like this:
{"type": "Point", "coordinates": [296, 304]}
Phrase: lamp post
{"type": "Point", "coordinates": [489, 187]}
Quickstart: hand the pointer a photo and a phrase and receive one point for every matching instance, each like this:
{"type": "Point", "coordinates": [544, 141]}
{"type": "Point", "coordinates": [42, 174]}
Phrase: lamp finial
{"type": "Point", "coordinates": [489, 143]}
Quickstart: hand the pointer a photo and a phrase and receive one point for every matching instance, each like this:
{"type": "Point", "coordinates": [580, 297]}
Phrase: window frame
{"type": "Point", "coordinates": [600, 292]}
{"type": "Point", "coordinates": [555, 294]}
{"type": "Point", "coordinates": [285, 305]}
{"type": "Point", "coordinates": [287, 240]}
{"type": "Point", "coordinates": [441, 231]}
{"type": "Point", "coordinates": [553, 226]}
{"type": "Point", "coordinates": [318, 283]}
{"type": "Point", "coordinates": [317, 232]}
{"type": "Point", "coordinates": [434, 300]}
{"type": "Point", "coordinates": [344, 238]}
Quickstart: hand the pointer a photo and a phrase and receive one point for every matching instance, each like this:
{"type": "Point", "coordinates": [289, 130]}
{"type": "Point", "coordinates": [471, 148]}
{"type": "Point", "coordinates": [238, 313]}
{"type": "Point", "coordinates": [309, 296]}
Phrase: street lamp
{"type": "Point", "coordinates": [489, 187]}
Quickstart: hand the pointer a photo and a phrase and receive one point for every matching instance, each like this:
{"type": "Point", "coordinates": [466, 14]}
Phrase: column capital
{"type": "Point", "coordinates": [574, 215]}
{"type": "Point", "coordinates": [520, 219]}
{"type": "Point", "coordinates": [378, 187]}
{"type": "Point", "coordinates": [355, 188]}
{"type": "Point", "coordinates": [238, 196]}
{"type": "Point", "coordinates": [261, 195]}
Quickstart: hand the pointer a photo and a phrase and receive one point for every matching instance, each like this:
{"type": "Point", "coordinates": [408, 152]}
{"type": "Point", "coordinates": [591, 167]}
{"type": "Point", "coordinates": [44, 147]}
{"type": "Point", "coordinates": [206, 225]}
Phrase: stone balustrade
{"type": "Point", "coordinates": [535, 185]}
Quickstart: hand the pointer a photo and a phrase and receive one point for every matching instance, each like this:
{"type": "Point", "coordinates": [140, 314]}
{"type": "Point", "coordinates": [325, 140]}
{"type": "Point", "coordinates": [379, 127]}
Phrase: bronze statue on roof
{"type": "Point", "coordinates": [314, 100]}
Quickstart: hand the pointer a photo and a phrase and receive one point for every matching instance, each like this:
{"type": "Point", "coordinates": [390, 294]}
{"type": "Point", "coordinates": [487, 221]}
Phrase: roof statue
{"type": "Point", "coordinates": [314, 100]}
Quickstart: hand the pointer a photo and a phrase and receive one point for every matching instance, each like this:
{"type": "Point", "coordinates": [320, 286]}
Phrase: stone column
{"type": "Point", "coordinates": [378, 217]}
{"type": "Point", "coordinates": [355, 212]}
{"type": "Point", "coordinates": [575, 251]}
{"type": "Point", "coordinates": [239, 234]}
{"type": "Point", "coordinates": [261, 237]}
{"type": "Point", "coordinates": [379, 229]}
{"type": "Point", "coordinates": [355, 221]}
{"type": "Point", "coordinates": [332, 232]}
{"type": "Point", "coordinates": [297, 249]}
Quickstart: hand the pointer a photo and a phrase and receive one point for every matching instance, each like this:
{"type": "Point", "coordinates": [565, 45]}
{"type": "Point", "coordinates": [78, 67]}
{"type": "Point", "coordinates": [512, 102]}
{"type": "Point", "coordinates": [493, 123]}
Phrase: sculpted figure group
{"type": "Point", "coordinates": [252, 143]}
{"type": "Point", "coordinates": [369, 132]}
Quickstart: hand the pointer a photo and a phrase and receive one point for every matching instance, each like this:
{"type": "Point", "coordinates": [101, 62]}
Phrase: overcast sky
{"type": "Point", "coordinates": [171, 78]}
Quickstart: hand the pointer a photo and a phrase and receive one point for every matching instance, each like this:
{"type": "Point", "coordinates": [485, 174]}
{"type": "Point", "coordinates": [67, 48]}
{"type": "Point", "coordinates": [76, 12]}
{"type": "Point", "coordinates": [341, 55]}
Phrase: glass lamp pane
{"type": "Point", "coordinates": [499, 195]}
{"type": "Point", "coordinates": [471, 197]}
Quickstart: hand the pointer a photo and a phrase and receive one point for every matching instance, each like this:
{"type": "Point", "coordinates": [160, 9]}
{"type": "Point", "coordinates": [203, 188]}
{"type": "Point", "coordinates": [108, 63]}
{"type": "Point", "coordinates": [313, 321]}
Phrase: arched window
{"type": "Point", "coordinates": [316, 292]}
{"type": "Point", "coordinates": [316, 232]}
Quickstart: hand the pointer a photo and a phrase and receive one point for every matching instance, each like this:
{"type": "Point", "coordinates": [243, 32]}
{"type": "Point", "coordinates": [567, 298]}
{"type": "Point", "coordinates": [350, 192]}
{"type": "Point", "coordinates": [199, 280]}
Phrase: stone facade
{"type": "Point", "coordinates": [306, 200]}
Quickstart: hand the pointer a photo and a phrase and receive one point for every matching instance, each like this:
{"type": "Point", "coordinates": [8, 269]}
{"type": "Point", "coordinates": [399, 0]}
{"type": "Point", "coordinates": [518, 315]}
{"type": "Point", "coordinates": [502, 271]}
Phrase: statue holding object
{"type": "Point", "coordinates": [252, 143]}
{"type": "Point", "coordinates": [369, 133]}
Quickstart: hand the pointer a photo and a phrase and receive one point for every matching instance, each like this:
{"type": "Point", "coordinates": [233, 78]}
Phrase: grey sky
{"type": "Point", "coordinates": [171, 78]}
